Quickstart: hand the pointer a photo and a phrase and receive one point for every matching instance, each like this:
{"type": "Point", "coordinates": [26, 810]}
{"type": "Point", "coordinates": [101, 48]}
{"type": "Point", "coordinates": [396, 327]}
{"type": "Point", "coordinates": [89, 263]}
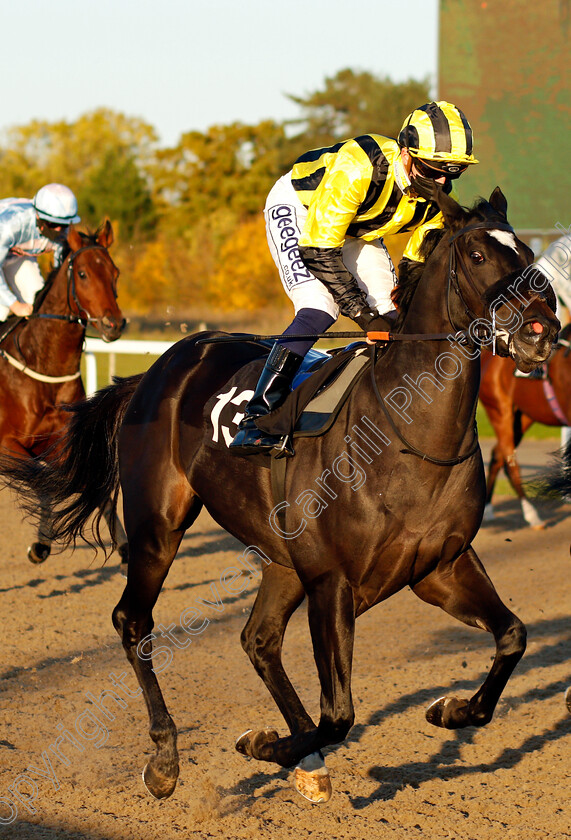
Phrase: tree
{"type": "Point", "coordinates": [246, 276]}
{"type": "Point", "coordinates": [86, 155]}
{"type": "Point", "coordinates": [116, 188]}
{"type": "Point", "coordinates": [353, 103]}
{"type": "Point", "coordinates": [228, 167]}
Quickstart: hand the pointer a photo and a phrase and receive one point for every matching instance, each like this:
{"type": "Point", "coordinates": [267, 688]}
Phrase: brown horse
{"type": "Point", "coordinates": [558, 482]}
{"type": "Point", "coordinates": [513, 404]}
{"type": "Point", "coordinates": [391, 496]}
{"type": "Point", "coordinates": [40, 355]}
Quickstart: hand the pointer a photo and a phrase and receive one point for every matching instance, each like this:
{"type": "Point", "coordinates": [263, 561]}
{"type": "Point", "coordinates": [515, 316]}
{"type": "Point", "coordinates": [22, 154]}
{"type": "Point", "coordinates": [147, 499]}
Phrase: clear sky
{"type": "Point", "coordinates": [189, 64]}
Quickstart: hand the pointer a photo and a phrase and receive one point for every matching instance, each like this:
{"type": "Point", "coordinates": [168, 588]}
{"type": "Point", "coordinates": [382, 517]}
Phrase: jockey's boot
{"type": "Point", "coordinates": [273, 387]}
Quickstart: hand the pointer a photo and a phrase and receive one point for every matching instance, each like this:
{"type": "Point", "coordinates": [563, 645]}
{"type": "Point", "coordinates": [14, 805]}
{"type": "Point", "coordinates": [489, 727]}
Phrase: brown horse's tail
{"type": "Point", "coordinates": [81, 473]}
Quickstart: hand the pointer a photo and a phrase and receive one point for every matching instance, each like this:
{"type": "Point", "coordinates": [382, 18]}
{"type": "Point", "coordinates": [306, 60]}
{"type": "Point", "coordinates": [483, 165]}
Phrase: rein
{"type": "Point", "coordinates": [410, 448]}
{"type": "Point", "coordinates": [455, 258]}
{"type": "Point", "coordinates": [377, 335]}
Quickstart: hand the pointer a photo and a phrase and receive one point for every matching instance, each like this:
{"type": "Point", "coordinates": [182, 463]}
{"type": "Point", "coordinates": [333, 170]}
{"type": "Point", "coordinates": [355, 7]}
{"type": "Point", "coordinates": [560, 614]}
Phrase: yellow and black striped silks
{"type": "Point", "coordinates": [438, 131]}
{"type": "Point", "coordinates": [359, 188]}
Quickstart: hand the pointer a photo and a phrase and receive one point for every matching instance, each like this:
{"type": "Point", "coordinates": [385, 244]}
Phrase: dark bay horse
{"type": "Point", "coordinates": [513, 404]}
{"type": "Point", "coordinates": [40, 355]}
{"type": "Point", "coordinates": [400, 510]}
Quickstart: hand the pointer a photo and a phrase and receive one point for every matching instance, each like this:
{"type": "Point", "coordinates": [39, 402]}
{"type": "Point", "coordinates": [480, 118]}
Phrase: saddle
{"type": "Point", "coordinates": [319, 390]}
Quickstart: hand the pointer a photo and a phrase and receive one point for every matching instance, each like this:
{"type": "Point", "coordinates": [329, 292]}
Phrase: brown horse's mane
{"type": "Point", "coordinates": [410, 271]}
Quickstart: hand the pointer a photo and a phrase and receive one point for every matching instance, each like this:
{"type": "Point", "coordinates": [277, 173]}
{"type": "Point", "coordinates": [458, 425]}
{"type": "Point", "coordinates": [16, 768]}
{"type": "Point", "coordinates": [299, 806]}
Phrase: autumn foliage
{"type": "Point", "coordinates": [188, 219]}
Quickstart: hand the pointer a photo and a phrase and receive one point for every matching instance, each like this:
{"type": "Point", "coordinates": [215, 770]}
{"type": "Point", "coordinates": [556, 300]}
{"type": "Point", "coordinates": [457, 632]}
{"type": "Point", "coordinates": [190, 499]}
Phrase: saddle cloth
{"type": "Point", "coordinates": [319, 390]}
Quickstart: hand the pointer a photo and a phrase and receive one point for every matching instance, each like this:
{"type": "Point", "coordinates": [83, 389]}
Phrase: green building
{"type": "Point", "coordinates": [506, 64]}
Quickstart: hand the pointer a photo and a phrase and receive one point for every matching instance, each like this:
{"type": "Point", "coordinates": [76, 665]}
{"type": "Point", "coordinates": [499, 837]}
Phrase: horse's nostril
{"type": "Point", "coordinates": [536, 327]}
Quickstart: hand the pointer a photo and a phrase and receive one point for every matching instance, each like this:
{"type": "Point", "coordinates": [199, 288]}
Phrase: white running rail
{"type": "Point", "coordinates": [152, 348]}
{"type": "Point", "coordinates": [125, 346]}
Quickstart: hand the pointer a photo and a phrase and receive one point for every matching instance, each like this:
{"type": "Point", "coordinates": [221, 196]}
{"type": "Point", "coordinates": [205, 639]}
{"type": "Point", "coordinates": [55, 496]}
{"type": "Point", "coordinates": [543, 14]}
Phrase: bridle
{"type": "Point", "coordinates": [72, 297]}
{"type": "Point", "coordinates": [455, 261]}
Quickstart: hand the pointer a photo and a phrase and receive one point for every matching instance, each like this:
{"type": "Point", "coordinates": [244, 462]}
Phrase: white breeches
{"type": "Point", "coordinates": [24, 279]}
{"type": "Point", "coordinates": [368, 262]}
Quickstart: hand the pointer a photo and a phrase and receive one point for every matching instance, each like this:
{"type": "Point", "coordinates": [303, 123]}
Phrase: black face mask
{"type": "Point", "coordinates": [424, 187]}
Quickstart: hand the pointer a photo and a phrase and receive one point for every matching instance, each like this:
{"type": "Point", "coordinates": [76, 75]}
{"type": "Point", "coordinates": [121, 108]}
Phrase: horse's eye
{"type": "Point", "coordinates": [82, 275]}
{"type": "Point", "coordinates": [477, 257]}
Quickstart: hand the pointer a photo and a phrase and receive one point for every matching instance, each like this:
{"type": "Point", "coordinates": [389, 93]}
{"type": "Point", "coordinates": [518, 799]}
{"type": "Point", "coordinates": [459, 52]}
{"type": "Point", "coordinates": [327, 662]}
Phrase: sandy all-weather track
{"type": "Point", "coordinates": [396, 775]}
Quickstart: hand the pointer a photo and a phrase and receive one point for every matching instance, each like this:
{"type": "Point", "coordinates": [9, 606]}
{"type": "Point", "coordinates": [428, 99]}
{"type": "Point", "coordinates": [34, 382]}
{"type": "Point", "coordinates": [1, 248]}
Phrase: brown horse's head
{"type": "Point", "coordinates": [92, 281]}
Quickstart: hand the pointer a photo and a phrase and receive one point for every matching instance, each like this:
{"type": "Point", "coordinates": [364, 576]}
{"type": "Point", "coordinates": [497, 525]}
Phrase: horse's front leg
{"type": "Point", "coordinates": [279, 595]}
{"type": "Point", "coordinates": [331, 615]}
{"type": "Point", "coordinates": [463, 589]}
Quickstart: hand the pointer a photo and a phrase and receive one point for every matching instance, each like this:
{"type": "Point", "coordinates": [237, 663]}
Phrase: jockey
{"type": "Point", "coordinates": [28, 228]}
{"type": "Point", "coordinates": [325, 222]}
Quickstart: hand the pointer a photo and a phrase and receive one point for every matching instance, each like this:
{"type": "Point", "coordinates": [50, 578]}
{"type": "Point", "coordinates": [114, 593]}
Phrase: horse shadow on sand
{"type": "Point", "coordinates": [446, 763]}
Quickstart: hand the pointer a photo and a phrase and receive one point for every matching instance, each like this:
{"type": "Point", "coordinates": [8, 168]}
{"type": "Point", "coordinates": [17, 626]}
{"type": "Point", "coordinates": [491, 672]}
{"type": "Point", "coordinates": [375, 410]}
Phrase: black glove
{"type": "Point", "coordinates": [364, 317]}
{"type": "Point", "coordinates": [370, 321]}
{"type": "Point", "coordinates": [379, 324]}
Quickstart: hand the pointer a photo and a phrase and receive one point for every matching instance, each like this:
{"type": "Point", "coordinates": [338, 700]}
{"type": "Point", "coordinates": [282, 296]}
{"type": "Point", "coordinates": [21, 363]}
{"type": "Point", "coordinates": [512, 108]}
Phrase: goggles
{"type": "Point", "coordinates": [447, 169]}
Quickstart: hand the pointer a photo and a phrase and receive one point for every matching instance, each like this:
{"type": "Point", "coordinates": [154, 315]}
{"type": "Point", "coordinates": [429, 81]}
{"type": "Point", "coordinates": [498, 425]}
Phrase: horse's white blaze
{"type": "Point", "coordinates": [505, 237]}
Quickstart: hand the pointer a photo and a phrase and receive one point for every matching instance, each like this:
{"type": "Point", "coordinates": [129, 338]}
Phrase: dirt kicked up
{"type": "Point", "coordinates": [73, 730]}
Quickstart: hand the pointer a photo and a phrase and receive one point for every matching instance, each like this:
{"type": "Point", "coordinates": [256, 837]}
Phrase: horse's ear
{"type": "Point", "coordinates": [453, 212]}
{"type": "Point", "coordinates": [104, 234]}
{"type": "Point", "coordinates": [499, 202]}
{"type": "Point", "coordinates": [74, 239]}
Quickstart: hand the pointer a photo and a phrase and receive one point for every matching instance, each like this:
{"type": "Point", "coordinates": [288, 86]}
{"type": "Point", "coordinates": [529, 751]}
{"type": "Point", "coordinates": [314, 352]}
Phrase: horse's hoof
{"type": "Point", "coordinates": [568, 698]}
{"type": "Point", "coordinates": [311, 779]}
{"type": "Point", "coordinates": [158, 785]}
{"type": "Point", "coordinates": [250, 742]}
{"type": "Point", "coordinates": [449, 713]}
{"type": "Point", "coordinates": [531, 516]}
{"type": "Point", "coordinates": [38, 552]}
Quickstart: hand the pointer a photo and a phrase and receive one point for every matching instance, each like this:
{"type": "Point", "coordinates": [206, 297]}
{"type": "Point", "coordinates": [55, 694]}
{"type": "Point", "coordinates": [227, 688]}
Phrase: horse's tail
{"type": "Point", "coordinates": [81, 474]}
{"type": "Point", "coordinates": [556, 482]}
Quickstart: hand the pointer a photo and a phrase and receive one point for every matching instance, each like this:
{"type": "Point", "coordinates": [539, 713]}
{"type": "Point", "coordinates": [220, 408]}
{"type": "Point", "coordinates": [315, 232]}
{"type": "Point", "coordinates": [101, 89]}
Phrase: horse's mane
{"type": "Point", "coordinates": [411, 271]}
{"type": "Point", "coordinates": [88, 239]}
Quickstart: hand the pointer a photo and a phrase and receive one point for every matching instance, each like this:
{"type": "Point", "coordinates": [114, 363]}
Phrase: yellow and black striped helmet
{"type": "Point", "coordinates": [438, 132]}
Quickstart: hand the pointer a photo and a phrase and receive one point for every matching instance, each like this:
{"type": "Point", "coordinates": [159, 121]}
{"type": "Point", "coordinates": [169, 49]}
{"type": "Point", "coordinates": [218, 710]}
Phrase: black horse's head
{"type": "Point", "coordinates": [493, 291]}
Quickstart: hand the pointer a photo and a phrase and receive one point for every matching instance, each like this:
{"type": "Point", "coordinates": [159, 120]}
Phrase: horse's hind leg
{"type": "Point", "coordinates": [494, 467]}
{"type": "Point", "coordinates": [40, 550]}
{"type": "Point", "coordinates": [463, 589]}
{"type": "Point", "coordinates": [117, 534]}
{"type": "Point", "coordinates": [154, 538]}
